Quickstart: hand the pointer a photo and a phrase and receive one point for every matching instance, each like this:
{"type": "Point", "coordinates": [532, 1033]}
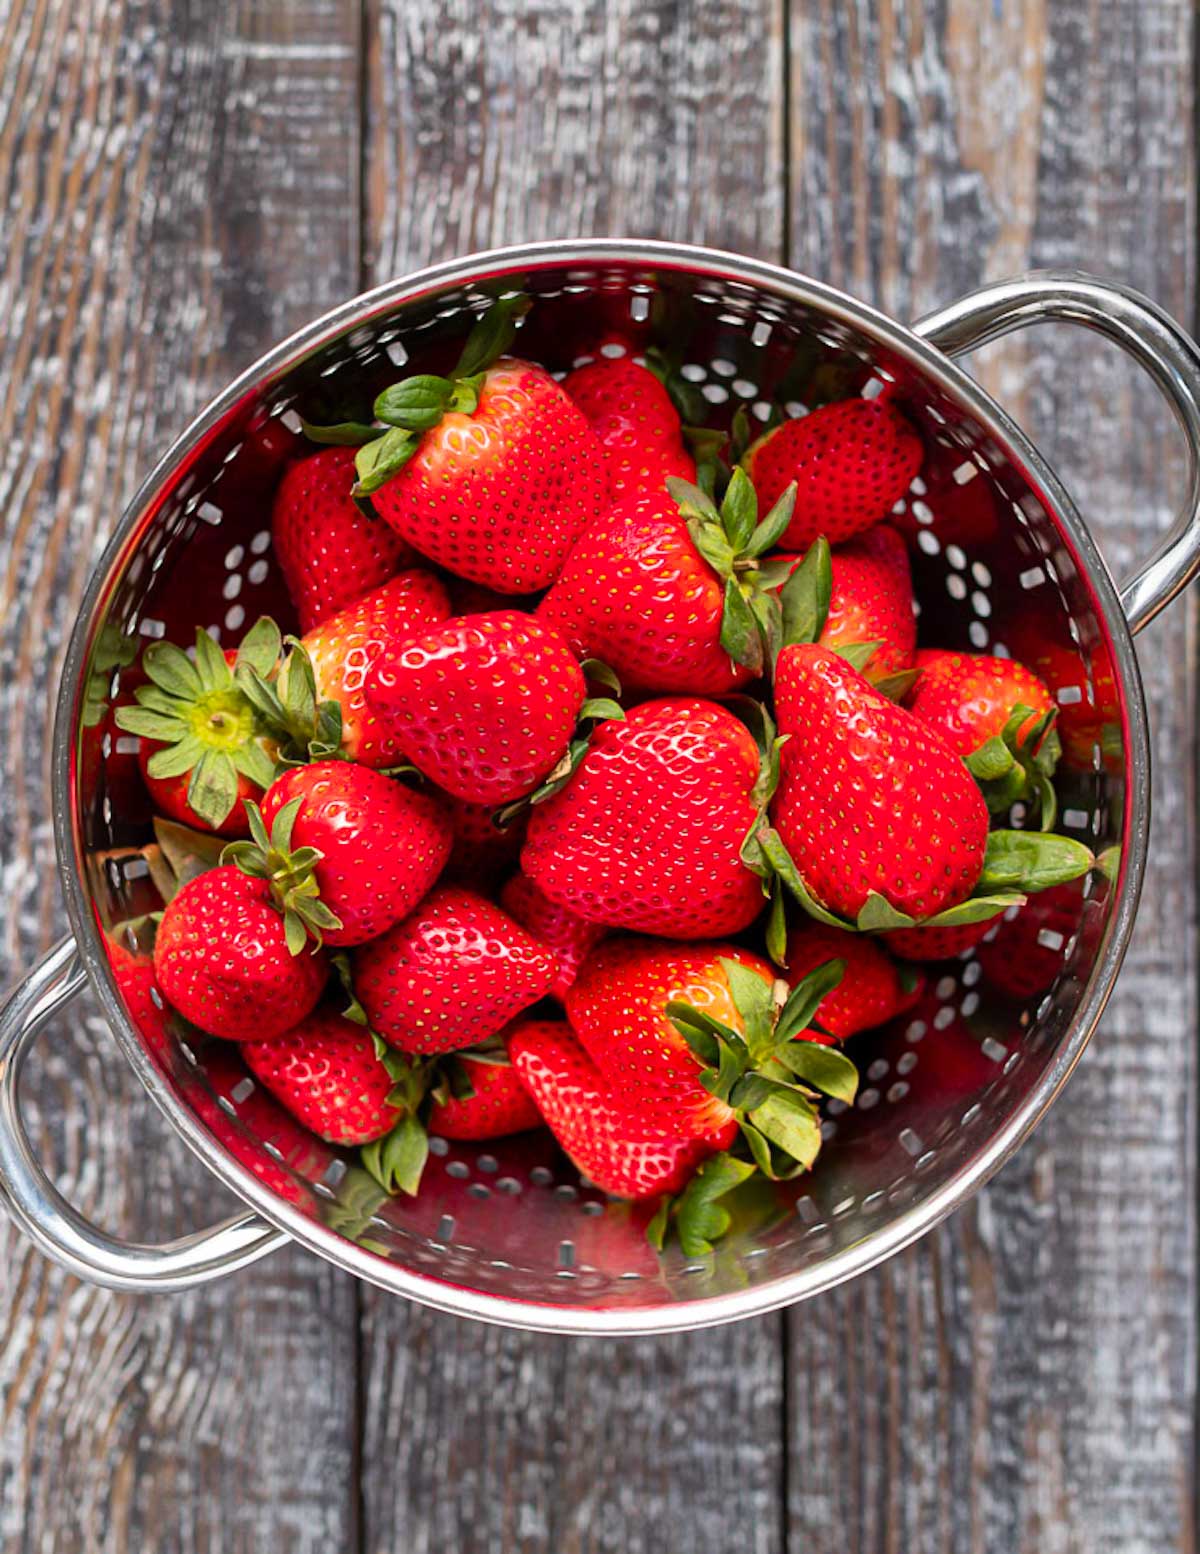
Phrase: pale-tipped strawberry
{"type": "Point", "coordinates": [317, 703]}
{"type": "Point", "coordinates": [484, 705]}
{"type": "Point", "coordinates": [492, 472]}
{"type": "Point", "coordinates": [622, 1156]}
{"type": "Point", "coordinates": [571, 937]}
{"type": "Point", "coordinates": [202, 739]}
{"type": "Point", "coordinates": [648, 833]}
{"type": "Point", "coordinates": [452, 974]}
{"type": "Point", "coordinates": [637, 425]}
{"type": "Point", "coordinates": [850, 462]}
{"type": "Point", "coordinates": [698, 1039]}
{"type": "Point", "coordinates": [999, 717]}
{"type": "Point", "coordinates": [329, 549]}
{"type": "Point", "coordinates": [347, 851]}
{"type": "Point", "coordinates": [222, 958]}
{"type": "Point", "coordinates": [480, 1096]}
{"type": "Point", "coordinates": [873, 989]}
{"type": "Point", "coordinates": [669, 590]}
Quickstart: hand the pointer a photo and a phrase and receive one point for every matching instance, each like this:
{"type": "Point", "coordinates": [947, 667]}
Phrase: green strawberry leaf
{"type": "Point", "coordinates": [598, 672]}
{"type": "Point", "coordinates": [213, 787]}
{"type": "Point", "coordinates": [694, 504]}
{"type": "Point", "coordinates": [343, 434]}
{"type": "Point", "coordinates": [709, 539]}
{"type": "Point", "coordinates": [824, 1068]}
{"type": "Point", "coordinates": [601, 707]}
{"type": "Point", "coordinates": [253, 762]}
{"type": "Point", "coordinates": [492, 335]}
{"type": "Point", "coordinates": [171, 669]}
{"type": "Point", "coordinates": [259, 649]}
{"type": "Point", "coordinates": [776, 929]}
{"type": "Point", "coordinates": [802, 1003]}
{"type": "Point", "coordinates": [186, 853]}
{"type": "Point", "coordinates": [753, 1000]}
{"type": "Point", "coordinates": [660, 1223]}
{"type": "Point", "coordinates": [740, 434]}
{"type": "Point", "coordinates": [162, 726]}
{"type": "Point", "coordinates": [877, 915]}
{"type": "Point", "coordinates": [975, 909]}
{"type": "Point", "coordinates": [897, 686]}
{"type": "Point", "coordinates": [353, 1009]}
{"type": "Point", "coordinates": [700, 1218]}
{"type": "Point", "coordinates": [376, 462]}
{"type": "Point", "coordinates": [176, 759]}
{"type": "Point", "coordinates": [806, 594]}
{"type": "Point", "coordinates": [740, 636]}
{"type": "Point", "coordinates": [214, 672]}
{"type": "Point", "coordinates": [773, 527]}
{"type": "Point", "coordinates": [739, 511]}
{"type": "Point", "coordinates": [1030, 861]}
{"type": "Point", "coordinates": [397, 1161]}
{"type": "Point", "coordinates": [1108, 863]}
{"type": "Point", "coordinates": [780, 861]}
{"type": "Point", "coordinates": [993, 759]}
{"type": "Point", "coordinates": [790, 1122]}
{"type": "Point", "coordinates": [416, 404]}
{"type": "Point", "coordinates": [858, 654]}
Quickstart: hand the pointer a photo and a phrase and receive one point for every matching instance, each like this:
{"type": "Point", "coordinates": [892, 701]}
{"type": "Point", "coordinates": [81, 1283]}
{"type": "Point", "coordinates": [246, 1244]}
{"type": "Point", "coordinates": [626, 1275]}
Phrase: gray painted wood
{"type": "Point", "coordinates": [1025, 1379]}
{"type": "Point", "coordinates": [494, 123]}
{"type": "Point", "coordinates": [178, 188]}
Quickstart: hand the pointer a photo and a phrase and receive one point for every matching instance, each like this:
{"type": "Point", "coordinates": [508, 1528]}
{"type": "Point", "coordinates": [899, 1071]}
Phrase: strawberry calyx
{"type": "Point", "coordinates": [114, 650]}
{"type": "Point", "coordinates": [768, 1074]}
{"type": "Point", "coordinates": [200, 714]}
{"type": "Point", "coordinates": [859, 655]}
{"type": "Point", "coordinates": [290, 873]}
{"type": "Point", "coordinates": [304, 727]}
{"type": "Point", "coordinates": [415, 405]}
{"type": "Point", "coordinates": [593, 711]}
{"type": "Point", "coordinates": [1012, 767]}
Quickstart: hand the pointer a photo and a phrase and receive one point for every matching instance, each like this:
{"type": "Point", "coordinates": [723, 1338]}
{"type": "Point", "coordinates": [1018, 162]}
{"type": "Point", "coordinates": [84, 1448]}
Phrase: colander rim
{"type": "Point", "coordinates": [907, 1227]}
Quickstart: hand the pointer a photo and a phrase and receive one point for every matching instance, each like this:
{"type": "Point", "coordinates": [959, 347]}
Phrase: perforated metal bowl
{"type": "Point", "coordinates": [508, 1233]}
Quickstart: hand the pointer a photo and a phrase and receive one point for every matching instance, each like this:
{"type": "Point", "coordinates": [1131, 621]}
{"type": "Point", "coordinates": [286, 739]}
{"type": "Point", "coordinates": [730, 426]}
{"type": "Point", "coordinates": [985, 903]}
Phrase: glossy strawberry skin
{"type": "Point", "coordinates": [617, 1009]}
{"type": "Point", "coordinates": [484, 705]}
{"type": "Point", "coordinates": [134, 976]}
{"type": "Point", "coordinates": [637, 593]}
{"type": "Point", "coordinates": [648, 832]}
{"type": "Point", "coordinates": [870, 798]}
{"type": "Point", "coordinates": [622, 1156]}
{"type": "Point", "coordinates": [637, 425]}
{"type": "Point", "coordinates": [872, 990]}
{"type": "Point", "coordinates": [937, 943]}
{"type": "Point", "coordinates": [968, 697]}
{"type": "Point", "coordinates": [325, 1072]}
{"type": "Point", "coordinates": [572, 938]}
{"type": "Point", "coordinates": [329, 550]}
{"type": "Point", "coordinates": [384, 844]}
{"type": "Point", "coordinates": [500, 1105]}
{"type": "Point", "coordinates": [221, 959]}
{"type": "Point", "coordinates": [344, 648]}
{"type": "Point", "coordinates": [482, 853]}
{"type": "Point", "coordinates": [872, 599]}
{"type": "Point", "coordinates": [852, 461]}
{"type": "Point", "coordinates": [500, 496]}
{"type": "Point", "coordinates": [451, 975]}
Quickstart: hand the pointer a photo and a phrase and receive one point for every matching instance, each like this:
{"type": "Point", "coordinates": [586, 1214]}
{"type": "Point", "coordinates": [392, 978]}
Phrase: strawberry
{"type": "Point", "coordinates": [202, 749]}
{"type": "Point", "coordinates": [364, 845]}
{"type": "Point", "coordinates": [872, 991]}
{"type": "Point", "coordinates": [492, 472]}
{"type": "Point", "coordinates": [1083, 686]}
{"type": "Point", "coordinates": [326, 1073]}
{"type": "Point", "coordinates": [693, 1040]}
{"type": "Point", "coordinates": [667, 589]}
{"type": "Point", "coordinates": [330, 551]}
{"type": "Point", "coordinates": [221, 958]}
{"type": "Point", "coordinates": [1028, 953]}
{"type": "Point", "coordinates": [483, 851]}
{"type": "Point", "coordinates": [134, 975]}
{"type": "Point", "coordinates": [495, 1104]}
{"type": "Point", "coordinates": [851, 462]}
{"type": "Point", "coordinates": [872, 600]}
{"type": "Point", "coordinates": [626, 1158]}
{"type": "Point", "coordinates": [484, 705]}
{"type": "Point", "coordinates": [451, 974]}
{"type": "Point", "coordinates": [647, 834]}
{"type": "Point", "coordinates": [937, 943]}
{"type": "Point", "coordinates": [251, 1126]}
{"type": "Point", "coordinates": [953, 500]}
{"type": "Point", "coordinates": [317, 705]}
{"type": "Point", "coordinates": [572, 938]}
{"type": "Point", "coordinates": [637, 425]}
{"type": "Point", "coordinates": [871, 802]}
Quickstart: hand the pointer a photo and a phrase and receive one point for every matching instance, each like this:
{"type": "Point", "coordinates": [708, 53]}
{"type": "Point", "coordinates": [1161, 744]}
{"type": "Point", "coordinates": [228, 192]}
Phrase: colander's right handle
{"type": "Point", "coordinates": [1143, 331]}
{"type": "Point", "coordinates": [41, 1211]}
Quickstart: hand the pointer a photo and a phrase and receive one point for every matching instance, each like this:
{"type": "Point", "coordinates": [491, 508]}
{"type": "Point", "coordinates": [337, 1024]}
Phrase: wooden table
{"type": "Point", "coordinates": [183, 183]}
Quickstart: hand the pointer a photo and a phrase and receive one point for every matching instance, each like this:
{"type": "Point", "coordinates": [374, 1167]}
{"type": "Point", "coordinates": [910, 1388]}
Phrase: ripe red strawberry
{"type": "Point", "coordinates": [937, 943]}
{"type": "Point", "coordinates": [870, 798]}
{"type": "Point", "coordinates": [648, 833]}
{"type": "Point", "coordinates": [343, 649]}
{"type": "Point", "coordinates": [221, 958]}
{"type": "Point", "coordinates": [250, 1125]}
{"type": "Point", "coordinates": [1029, 951]}
{"type": "Point", "coordinates": [626, 1158]}
{"type": "Point", "coordinates": [872, 991]}
{"type": "Point", "coordinates": [1089, 718]}
{"type": "Point", "coordinates": [572, 938]}
{"type": "Point", "coordinates": [380, 846]}
{"type": "Point", "coordinates": [637, 425]}
{"type": "Point", "coordinates": [202, 751]}
{"type": "Point", "coordinates": [872, 600]}
{"type": "Point", "coordinates": [851, 461]}
{"type": "Point", "coordinates": [325, 1071]}
{"type": "Point", "coordinates": [134, 975]}
{"type": "Point", "coordinates": [329, 550]}
{"type": "Point", "coordinates": [953, 499]}
{"type": "Point", "coordinates": [482, 852]}
{"type": "Point", "coordinates": [451, 974]}
{"type": "Point", "coordinates": [484, 705]}
{"type": "Point", "coordinates": [498, 1105]}
{"type": "Point", "coordinates": [969, 697]}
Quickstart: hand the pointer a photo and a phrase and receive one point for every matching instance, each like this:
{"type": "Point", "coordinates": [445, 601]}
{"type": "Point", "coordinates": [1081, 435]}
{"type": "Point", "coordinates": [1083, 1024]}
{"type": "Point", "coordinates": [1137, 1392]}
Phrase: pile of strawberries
{"type": "Point", "coordinates": [602, 790]}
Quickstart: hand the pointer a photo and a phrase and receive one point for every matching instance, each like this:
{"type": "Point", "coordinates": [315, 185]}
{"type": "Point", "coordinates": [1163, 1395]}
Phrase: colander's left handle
{"type": "Point", "coordinates": [1143, 331]}
{"type": "Point", "coordinates": [41, 1211]}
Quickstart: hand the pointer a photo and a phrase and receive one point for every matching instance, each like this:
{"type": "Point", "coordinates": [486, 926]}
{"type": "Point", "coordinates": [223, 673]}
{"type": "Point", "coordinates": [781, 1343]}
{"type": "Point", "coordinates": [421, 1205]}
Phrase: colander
{"type": "Point", "coordinates": [508, 1232]}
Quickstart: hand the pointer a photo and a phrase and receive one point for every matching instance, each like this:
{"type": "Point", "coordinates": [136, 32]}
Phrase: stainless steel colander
{"type": "Point", "coordinates": [1003, 562]}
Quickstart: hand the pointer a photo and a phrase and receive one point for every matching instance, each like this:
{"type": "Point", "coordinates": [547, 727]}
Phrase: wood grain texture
{"type": "Point", "coordinates": [497, 123]}
{"type": "Point", "coordinates": [179, 188]}
{"type": "Point", "coordinates": [1024, 1380]}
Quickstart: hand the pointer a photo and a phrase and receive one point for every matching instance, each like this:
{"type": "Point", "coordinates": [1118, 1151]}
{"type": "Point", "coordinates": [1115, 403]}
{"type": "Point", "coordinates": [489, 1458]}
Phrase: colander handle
{"type": "Point", "coordinates": [1143, 331]}
{"type": "Point", "coordinates": [40, 1209]}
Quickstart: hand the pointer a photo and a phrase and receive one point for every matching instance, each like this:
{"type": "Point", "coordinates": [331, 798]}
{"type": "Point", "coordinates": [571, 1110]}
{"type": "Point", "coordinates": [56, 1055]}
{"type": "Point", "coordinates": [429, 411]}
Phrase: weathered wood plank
{"type": "Point", "coordinates": [1024, 1380]}
{"type": "Point", "coordinates": [179, 188]}
{"type": "Point", "coordinates": [489, 124]}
